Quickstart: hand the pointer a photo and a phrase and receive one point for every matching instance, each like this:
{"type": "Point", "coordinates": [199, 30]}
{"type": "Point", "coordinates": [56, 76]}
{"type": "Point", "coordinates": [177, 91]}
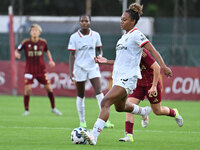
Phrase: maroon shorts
{"type": "Point", "coordinates": [141, 92]}
{"type": "Point", "coordinates": [42, 78]}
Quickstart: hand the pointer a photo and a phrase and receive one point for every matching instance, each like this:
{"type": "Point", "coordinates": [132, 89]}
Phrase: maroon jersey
{"type": "Point", "coordinates": [35, 63]}
{"type": "Point", "coordinates": [146, 70]}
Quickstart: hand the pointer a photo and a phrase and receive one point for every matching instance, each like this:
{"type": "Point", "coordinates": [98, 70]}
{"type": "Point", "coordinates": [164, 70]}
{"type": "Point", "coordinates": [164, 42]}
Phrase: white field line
{"type": "Point", "coordinates": [150, 131]}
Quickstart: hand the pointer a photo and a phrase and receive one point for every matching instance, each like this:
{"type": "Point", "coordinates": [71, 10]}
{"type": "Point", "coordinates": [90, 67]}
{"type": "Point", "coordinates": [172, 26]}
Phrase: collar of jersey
{"type": "Point", "coordinates": [81, 35]}
{"type": "Point", "coordinates": [132, 30]}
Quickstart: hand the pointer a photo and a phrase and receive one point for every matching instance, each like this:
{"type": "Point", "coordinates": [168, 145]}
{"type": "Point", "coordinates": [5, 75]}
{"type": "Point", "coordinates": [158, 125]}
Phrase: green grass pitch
{"type": "Point", "coordinates": [42, 130]}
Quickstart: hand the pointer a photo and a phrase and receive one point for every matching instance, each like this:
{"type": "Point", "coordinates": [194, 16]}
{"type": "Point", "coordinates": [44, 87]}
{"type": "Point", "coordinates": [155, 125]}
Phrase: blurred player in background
{"type": "Point", "coordinates": [126, 71]}
{"type": "Point", "coordinates": [150, 71]}
{"type": "Point", "coordinates": [83, 45]}
{"type": "Point", "coordinates": [34, 48]}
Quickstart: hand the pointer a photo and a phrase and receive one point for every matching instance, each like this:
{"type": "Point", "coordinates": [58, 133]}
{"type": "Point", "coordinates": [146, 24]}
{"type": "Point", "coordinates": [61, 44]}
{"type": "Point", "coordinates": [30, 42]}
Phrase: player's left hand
{"type": "Point", "coordinates": [51, 63]}
{"type": "Point", "coordinates": [167, 71]}
{"type": "Point", "coordinates": [153, 91]}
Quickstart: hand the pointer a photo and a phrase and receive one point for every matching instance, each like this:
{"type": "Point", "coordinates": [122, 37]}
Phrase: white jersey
{"type": "Point", "coordinates": [128, 55]}
{"type": "Point", "coordinates": [85, 47]}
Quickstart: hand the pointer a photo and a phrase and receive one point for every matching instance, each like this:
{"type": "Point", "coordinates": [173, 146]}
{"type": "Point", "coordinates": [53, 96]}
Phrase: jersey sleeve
{"type": "Point", "coordinates": [98, 42]}
{"type": "Point", "coordinates": [46, 47]}
{"type": "Point", "coordinates": [21, 45]}
{"type": "Point", "coordinates": [71, 45]}
{"type": "Point", "coordinates": [147, 57]}
{"type": "Point", "coordinates": [140, 38]}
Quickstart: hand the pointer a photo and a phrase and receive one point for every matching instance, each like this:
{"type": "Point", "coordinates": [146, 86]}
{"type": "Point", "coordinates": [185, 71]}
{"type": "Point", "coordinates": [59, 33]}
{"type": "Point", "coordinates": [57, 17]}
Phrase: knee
{"type": "Point", "coordinates": [27, 92]}
{"type": "Point", "coordinates": [157, 111]}
{"type": "Point", "coordinates": [105, 103]}
{"type": "Point", "coordinates": [119, 109]}
{"type": "Point", "coordinates": [48, 88]}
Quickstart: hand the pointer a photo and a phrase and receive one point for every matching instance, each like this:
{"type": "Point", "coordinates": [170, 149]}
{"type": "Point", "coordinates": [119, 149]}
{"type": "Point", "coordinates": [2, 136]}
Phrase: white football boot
{"type": "Point", "coordinates": [26, 113]}
{"type": "Point", "coordinates": [127, 138]}
{"type": "Point", "coordinates": [145, 118]}
{"type": "Point", "coordinates": [89, 137]}
{"type": "Point", "coordinates": [56, 111]}
{"type": "Point", "coordinates": [178, 118]}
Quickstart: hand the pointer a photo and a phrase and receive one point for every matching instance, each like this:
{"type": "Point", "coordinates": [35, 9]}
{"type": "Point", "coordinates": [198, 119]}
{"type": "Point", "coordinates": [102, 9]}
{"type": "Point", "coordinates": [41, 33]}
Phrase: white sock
{"type": "Point", "coordinates": [80, 104]}
{"type": "Point", "coordinates": [99, 99]}
{"type": "Point", "coordinates": [138, 110]}
{"type": "Point", "coordinates": [98, 127]}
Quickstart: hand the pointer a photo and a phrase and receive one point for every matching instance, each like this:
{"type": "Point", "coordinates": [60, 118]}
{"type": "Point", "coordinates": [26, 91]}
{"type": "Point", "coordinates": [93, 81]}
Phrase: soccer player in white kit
{"type": "Point", "coordinates": [126, 71]}
{"type": "Point", "coordinates": [83, 45]}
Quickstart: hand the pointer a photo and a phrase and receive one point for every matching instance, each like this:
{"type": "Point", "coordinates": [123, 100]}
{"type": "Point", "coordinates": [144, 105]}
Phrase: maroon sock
{"type": "Point", "coordinates": [129, 127]}
{"type": "Point", "coordinates": [52, 100]}
{"type": "Point", "coordinates": [26, 102]}
{"type": "Point", "coordinates": [172, 113]}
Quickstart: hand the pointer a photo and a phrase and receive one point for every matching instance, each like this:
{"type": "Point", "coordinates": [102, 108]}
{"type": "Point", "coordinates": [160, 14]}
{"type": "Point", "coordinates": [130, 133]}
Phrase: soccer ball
{"type": "Point", "coordinates": [76, 136]}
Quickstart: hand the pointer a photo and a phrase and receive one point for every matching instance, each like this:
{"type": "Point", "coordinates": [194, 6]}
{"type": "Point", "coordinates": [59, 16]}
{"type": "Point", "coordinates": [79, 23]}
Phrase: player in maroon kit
{"type": "Point", "coordinates": [149, 83]}
{"type": "Point", "coordinates": [34, 48]}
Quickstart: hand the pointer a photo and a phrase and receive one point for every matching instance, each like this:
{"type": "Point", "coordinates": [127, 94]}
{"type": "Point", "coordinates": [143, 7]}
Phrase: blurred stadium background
{"type": "Point", "coordinates": [172, 26]}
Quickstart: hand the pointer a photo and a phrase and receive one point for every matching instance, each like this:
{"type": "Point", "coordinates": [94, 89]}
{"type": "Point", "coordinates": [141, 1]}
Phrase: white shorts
{"type": "Point", "coordinates": [128, 84]}
{"type": "Point", "coordinates": [82, 75]}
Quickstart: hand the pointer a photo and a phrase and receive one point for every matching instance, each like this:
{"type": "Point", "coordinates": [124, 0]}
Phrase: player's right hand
{"type": "Point", "coordinates": [72, 78]}
{"type": "Point", "coordinates": [51, 63]}
{"type": "Point", "coordinates": [100, 60]}
{"type": "Point", "coordinates": [17, 55]}
{"type": "Point", "coordinates": [167, 71]}
{"type": "Point", "coordinates": [153, 91]}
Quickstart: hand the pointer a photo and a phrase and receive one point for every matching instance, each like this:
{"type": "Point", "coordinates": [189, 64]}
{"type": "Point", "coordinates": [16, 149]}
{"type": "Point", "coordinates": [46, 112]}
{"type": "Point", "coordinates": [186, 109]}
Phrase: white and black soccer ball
{"type": "Point", "coordinates": [76, 136]}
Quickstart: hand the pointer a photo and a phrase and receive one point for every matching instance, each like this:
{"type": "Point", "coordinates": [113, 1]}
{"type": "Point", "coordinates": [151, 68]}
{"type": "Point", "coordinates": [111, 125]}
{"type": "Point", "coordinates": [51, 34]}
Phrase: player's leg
{"type": "Point", "coordinates": [129, 122]}
{"type": "Point", "coordinates": [80, 102]}
{"type": "Point", "coordinates": [155, 101]}
{"type": "Point", "coordinates": [139, 94]}
{"type": "Point", "coordinates": [27, 93]}
{"type": "Point", "coordinates": [50, 94]}
{"type": "Point", "coordinates": [164, 110]}
{"type": "Point", "coordinates": [99, 95]}
{"type": "Point", "coordinates": [43, 79]}
{"type": "Point", "coordinates": [80, 76]}
{"type": "Point", "coordinates": [28, 81]}
{"type": "Point", "coordinates": [52, 99]}
{"type": "Point", "coordinates": [129, 85]}
{"type": "Point", "coordinates": [135, 109]}
{"type": "Point", "coordinates": [116, 94]}
{"type": "Point", "coordinates": [96, 83]}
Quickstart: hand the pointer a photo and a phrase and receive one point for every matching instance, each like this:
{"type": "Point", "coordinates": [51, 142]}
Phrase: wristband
{"type": "Point", "coordinates": [50, 59]}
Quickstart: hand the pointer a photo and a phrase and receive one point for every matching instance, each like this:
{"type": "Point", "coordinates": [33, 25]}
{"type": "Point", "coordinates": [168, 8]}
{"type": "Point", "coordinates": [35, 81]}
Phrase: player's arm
{"type": "Point", "coordinates": [71, 64]}
{"type": "Point", "coordinates": [156, 73]}
{"type": "Point", "coordinates": [167, 71]}
{"type": "Point", "coordinates": [103, 60]}
{"type": "Point", "coordinates": [19, 48]}
{"type": "Point", "coordinates": [99, 51]}
{"type": "Point", "coordinates": [51, 62]}
{"type": "Point", "coordinates": [17, 54]}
